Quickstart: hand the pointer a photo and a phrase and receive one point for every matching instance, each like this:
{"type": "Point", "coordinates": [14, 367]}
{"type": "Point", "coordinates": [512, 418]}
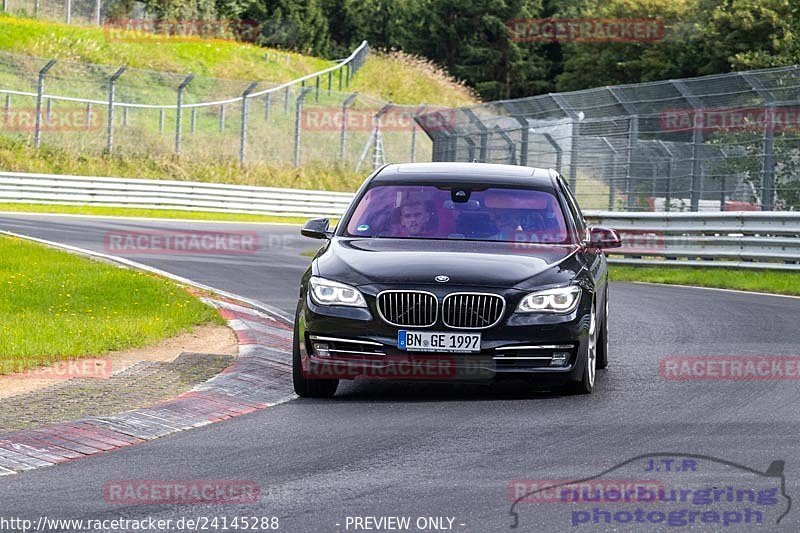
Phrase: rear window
{"type": "Point", "coordinates": [459, 213]}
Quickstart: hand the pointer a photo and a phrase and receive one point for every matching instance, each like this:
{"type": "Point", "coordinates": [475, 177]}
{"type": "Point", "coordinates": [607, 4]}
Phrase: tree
{"type": "Point", "coordinates": [678, 55]}
{"type": "Point", "coordinates": [293, 24]}
{"type": "Point", "coordinates": [751, 34]}
{"type": "Point", "coordinates": [472, 41]}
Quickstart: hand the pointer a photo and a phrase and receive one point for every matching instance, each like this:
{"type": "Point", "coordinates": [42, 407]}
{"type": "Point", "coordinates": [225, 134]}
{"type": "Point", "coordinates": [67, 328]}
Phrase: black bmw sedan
{"type": "Point", "coordinates": [455, 271]}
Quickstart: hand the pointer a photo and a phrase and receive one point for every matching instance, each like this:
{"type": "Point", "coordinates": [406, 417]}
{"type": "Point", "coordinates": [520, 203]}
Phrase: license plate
{"type": "Point", "coordinates": [436, 341]}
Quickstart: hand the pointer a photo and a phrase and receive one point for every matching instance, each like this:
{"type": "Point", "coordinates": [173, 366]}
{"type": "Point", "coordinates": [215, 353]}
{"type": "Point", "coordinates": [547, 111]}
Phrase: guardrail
{"type": "Point", "coordinates": [174, 195]}
{"type": "Point", "coordinates": [746, 239]}
{"type": "Point", "coordinates": [740, 239]}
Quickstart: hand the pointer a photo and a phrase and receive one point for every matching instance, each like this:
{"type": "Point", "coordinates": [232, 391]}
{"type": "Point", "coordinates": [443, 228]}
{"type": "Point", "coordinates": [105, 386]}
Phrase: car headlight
{"type": "Point", "coordinates": [328, 292]}
{"type": "Point", "coordinates": [560, 300]}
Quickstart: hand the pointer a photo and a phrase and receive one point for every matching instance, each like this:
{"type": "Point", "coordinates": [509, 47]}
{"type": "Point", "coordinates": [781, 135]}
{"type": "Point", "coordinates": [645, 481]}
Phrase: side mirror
{"type": "Point", "coordinates": [317, 228]}
{"type": "Point", "coordinates": [602, 238]}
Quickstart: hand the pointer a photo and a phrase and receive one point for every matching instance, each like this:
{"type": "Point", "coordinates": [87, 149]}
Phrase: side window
{"type": "Point", "coordinates": [577, 215]}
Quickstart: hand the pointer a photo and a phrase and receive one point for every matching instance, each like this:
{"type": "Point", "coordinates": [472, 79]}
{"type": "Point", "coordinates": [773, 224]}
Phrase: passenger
{"type": "Point", "coordinates": [509, 224]}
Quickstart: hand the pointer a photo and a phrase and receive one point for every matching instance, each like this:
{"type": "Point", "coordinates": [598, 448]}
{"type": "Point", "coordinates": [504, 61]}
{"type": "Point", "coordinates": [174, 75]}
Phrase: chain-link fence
{"type": "Point", "coordinates": [93, 109]}
{"type": "Point", "coordinates": [69, 11]}
{"type": "Point", "coordinates": [723, 142]}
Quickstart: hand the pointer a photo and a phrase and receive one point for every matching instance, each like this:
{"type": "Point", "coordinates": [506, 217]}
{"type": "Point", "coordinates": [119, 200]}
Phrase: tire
{"type": "Point", "coordinates": [586, 384]}
{"type": "Point", "coordinates": [602, 340]}
{"type": "Point", "coordinates": [307, 387]}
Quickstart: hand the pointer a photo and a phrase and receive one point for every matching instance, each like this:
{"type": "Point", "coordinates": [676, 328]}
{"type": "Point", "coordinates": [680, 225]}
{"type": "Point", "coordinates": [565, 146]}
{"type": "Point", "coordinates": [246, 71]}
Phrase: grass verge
{"type": "Point", "coordinates": [745, 280]}
{"type": "Point", "coordinates": [56, 306]}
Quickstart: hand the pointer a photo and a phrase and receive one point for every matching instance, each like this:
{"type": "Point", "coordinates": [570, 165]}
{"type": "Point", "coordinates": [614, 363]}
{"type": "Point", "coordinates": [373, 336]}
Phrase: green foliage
{"type": "Point", "coordinates": [751, 34]}
{"type": "Point", "coordinates": [471, 39]}
{"type": "Point", "coordinates": [678, 55]}
{"type": "Point", "coordinates": [701, 37]}
{"type": "Point", "coordinates": [296, 24]}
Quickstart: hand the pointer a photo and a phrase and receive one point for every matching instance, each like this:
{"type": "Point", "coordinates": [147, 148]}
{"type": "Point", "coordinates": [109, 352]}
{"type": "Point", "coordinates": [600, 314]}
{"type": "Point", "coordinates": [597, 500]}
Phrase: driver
{"type": "Point", "coordinates": [415, 218]}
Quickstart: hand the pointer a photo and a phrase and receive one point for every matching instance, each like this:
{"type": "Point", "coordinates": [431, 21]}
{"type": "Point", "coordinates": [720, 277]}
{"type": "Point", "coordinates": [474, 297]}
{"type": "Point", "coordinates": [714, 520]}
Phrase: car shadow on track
{"type": "Point", "coordinates": [416, 391]}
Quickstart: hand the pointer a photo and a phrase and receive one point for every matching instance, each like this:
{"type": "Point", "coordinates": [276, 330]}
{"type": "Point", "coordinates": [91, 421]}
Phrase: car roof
{"type": "Point", "coordinates": [483, 173]}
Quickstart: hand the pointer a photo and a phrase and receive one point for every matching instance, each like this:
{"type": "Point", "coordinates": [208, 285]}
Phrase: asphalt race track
{"type": "Point", "coordinates": [438, 450]}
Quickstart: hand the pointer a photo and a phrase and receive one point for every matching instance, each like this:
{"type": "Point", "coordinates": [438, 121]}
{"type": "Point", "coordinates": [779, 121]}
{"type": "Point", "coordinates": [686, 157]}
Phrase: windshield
{"type": "Point", "coordinates": [502, 214]}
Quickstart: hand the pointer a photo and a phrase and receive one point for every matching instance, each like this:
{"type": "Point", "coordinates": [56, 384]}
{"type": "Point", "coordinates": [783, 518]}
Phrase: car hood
{"type": "Point", "coordinates": [417, 261]}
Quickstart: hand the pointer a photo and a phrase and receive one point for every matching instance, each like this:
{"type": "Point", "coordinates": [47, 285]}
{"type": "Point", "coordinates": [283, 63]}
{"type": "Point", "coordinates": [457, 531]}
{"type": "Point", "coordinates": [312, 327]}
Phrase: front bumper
{"type": "Point", "coordinates": [349, 343]}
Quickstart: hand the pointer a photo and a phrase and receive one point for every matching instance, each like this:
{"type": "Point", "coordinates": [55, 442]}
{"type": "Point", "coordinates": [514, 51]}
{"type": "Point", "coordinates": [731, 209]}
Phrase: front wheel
{"type": "Point", "coordinates": [308, 387]}
{"type": "Point", "coordinates": [602, 341]}
{"type": "Point", "coordinates": [586, 384]}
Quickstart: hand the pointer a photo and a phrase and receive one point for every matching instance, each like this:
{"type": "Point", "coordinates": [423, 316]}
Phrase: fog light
{"type": "Point", "coordinates": [559, 358]}
{"type": "Point", "coordinates": [321, 349]}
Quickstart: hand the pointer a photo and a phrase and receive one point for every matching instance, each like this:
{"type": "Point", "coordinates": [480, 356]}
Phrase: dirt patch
{"type": "Point", "coordinates": [209, 339]}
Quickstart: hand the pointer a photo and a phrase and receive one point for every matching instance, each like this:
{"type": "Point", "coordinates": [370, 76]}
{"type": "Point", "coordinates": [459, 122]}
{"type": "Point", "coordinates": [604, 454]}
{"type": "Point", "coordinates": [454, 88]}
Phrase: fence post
{"type": "Point", "coordinates": [612, 188]}
{"type": "Point", "coordinates": [668, 188]}
{"type": "Point", "coordinates": [37, 135]}
{"type": "Point", "coordinates": [112, 89]}
{"type": "Point", "coordinates": [193, 120]}
{"type": "Point", "coordinates": [523, 148]}
{"type": "Point", "coordinates": [767, 161]}
{"type": "Point", "coordinates": [266, 106]}
{"type": "Point", "coordinates": [340, 79]}
{"type": "Point", "coordinates": [124, 117]}
{"type": "Point", "coordinates": [179, 112]}
{"type": "Point", "coordinates": [768, 165]}
{"type": "Point", "coordinates": [35, 8]}
{"type": "Point", "coordinates": [286, 101]}
{"type": "Point", "coordinates": [575, 118]}
{"type": "Point", "coordinates": [512, 146]}
{"type": "Point", "coordinates": [697, 143]}
{"type": "Point", "coordinates": [97, 11]}
{"type": "Point", "coordinates": [222, 118]}
{"type": "Point", "coordinates": [5, 5]}
{"type": "Point", "coordinates": [88, 116]}
{"type": "Point", "coordinates": [377, 150]}
{"type": "Point", "coordinates": [49, 110]}
{"type": "Point", "coordinates": [417, 113]}
{"type": "Point", "coordinates": [343, 132]}
{"type": "Point", "coordinates": [558, 150]}
{"type": "Point", "coordinates": [245, 116]}
{"type": "Point", "coordinates": [7, 109]}
{"type": "Point", "coordinates": [483, 154]}
{"type": "Point", "coordinates": [297, 110]}
{"type": "Point", "coordinates": [330, 81]}
{"type": "Point", "coordinates": [69, 11]}
{"type": "Point", "coordinates": [316, 95]}
{"type": "Point", "coordinates": [160, 121]}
